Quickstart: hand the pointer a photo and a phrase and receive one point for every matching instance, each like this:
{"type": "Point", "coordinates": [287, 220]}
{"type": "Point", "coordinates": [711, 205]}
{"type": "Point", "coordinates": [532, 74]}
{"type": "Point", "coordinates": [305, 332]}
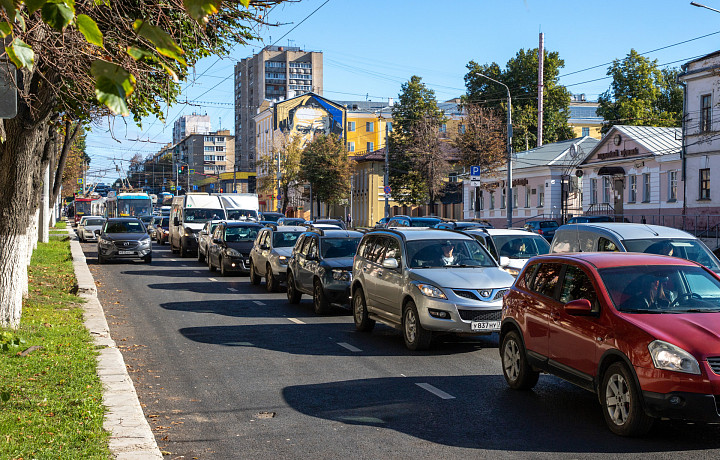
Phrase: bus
{"type": "Point", "coordinates": [128, 204]}
{"type": "Point", "coordinates": [82, 205]}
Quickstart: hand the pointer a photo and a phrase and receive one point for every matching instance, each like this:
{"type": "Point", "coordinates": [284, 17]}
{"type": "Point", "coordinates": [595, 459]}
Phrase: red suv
{"type": "Point", "coordinates": [641, 331]}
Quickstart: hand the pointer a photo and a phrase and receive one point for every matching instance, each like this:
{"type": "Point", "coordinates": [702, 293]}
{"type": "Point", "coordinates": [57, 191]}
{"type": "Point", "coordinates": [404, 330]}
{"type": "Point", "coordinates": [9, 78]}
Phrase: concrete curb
{"type": "Point", "coordinates": [130, 433]}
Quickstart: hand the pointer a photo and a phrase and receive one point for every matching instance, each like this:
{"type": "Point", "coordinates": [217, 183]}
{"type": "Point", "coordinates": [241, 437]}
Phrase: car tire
{"type": "Point", "coordinates": [519, 375]}
{"type": "Point", "coordinates": [622, 404]}
{"type": "Point", "coordinates": [147, 259]}
{"type": "Point", "coordinates": [415, 335]}
{"type": "Point", "coordinates": [360, 314]}
{"type": "Point", "coordinates": [211, 267]}
{"type": "Point", "coordinates": [320, 302]}
{"type": "Point", "coordinates": [271, 284]}
{"type": "Point", "coordinates": [293, 295]}
{"type": "Point", "coordinates": [223, 270]}
{"type": "Point", "coordinates": [101, 260]}
{"type": "Point", "coordinates": [201, 256]}
{"type": "Point", "coordinates": [172, 248]}
{"type": "Point", "coordinates": [254, 277]}
{"type": "Point", "coordinates": [183, 252]}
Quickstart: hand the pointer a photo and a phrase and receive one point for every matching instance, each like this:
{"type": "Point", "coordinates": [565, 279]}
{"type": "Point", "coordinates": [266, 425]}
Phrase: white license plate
{"type": "Point", "coordinates": [485, 325]}
{"type": "Point", "coordinates": [122, 253]}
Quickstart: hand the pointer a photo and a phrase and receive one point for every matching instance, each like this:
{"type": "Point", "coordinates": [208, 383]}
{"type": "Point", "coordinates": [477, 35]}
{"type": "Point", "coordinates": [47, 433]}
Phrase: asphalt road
{"type": "Point", "coordinates": [226, 370]}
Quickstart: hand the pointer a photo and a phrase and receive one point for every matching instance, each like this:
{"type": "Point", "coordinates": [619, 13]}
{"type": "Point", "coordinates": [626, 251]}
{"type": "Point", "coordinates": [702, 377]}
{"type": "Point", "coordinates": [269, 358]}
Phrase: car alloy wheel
{"type": "Point", "coordinates": [518, 373]}
{"type": "Point", "coordinates": [320, 302]}
{"type": "Point", "coordinates": [271, 284]}
{"type": "Point", "coordinates": [621, 402]}
{"type": "Point", "coordinates": [201, 256]}
{"type": "Point", "coordinates": [293, 294]}
{"type": "Point", "coordinates": [360, 313]}
{"type": "Point", "coordinates": [254, 277]}
{"type": "Point", "coordinates": [416, 336]}
{"type": "Point", "coordinates": [617, 397]}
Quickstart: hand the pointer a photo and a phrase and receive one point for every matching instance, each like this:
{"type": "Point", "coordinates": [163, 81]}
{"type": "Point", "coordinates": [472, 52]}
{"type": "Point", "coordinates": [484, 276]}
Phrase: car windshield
{"type": "Point", "coordinates": [285, 239]}
{"type": "Point", "coordinates": [146, 219]}
{"type": "Point", "coordinates": [271, 217]}
{"type": "Point", "coordinates": [662, 289]}
{"type": "Point", "coordinates": [424, 222]}
{"type": "Point", "coordinates": [293, 221]}
{"type": "Point", "coordinates": [164, 222]}
{"type": "Point", "coordinates": [94, 222]}
{"type": "Point", "coordinates": [521, 247]}
{"type": "Point", "coordinates": [331, 248]}
{"type": "Point", "coordinates": [438, 253]}
{"type": "Point", "coordinates": [240, 214]}
{"type": "Point", "coordinates": [686, 248]}
{"type": "Point", "coordinates": [200, 216]}
{"type": "Point", "coordinates": [124, 227]}
{"type": "Point", "coordinates": [549, 224]}
{"type": "Point", "coordinates": [238, 234]}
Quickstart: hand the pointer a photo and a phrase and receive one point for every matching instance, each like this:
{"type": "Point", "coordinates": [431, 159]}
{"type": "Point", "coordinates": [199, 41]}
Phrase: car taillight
{"type": "Point", "coordinates": [540, 231]}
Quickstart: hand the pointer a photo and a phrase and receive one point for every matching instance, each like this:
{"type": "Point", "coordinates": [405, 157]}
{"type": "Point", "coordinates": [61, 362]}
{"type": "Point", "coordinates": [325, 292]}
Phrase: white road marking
{"type": "Point", "coordinates": [257, 302]}
{"type": "Point", "coordinates": [212, 279]}
{"type": "Point", "coordinates": [172, 260]}
{"type": "Point", "coordinates": [232, 289]}
{"type": "Point", "coordinates": [183, 265]}
{"type": "Point", "coordinates": [349, 347]}
{"type": "Point", "coordinates": [198, 271]}
{"type": "Point", "coordinates": [296, 321]}
{"type": "Point", "coordinates": [439, 393]}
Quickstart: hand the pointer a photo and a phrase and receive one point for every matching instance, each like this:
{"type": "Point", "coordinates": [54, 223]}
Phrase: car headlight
{"type": "Point", "coordinates": [283, 260]}
{"type": "Point", "coordinates": [513, 271]}
{"type": "Point", "coordinates": [669, 357]}
{"type": "Point", "coordinates": [341, 275]}
{"type": "Point", "coordinates": [144, 242]}
{"type": "Point", "coordinates": [189, 232]}
{"type": "Point", "coordinates": [232, 252]}
{"type": "Point", "coordinates": [431, 291]}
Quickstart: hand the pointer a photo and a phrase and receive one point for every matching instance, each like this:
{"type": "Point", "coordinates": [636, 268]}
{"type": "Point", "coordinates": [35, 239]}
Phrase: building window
{"type": "Point", "coordinates": [527, 196]}
{"type": "Point", "coordinates": [369, 126]}
{"type": "Point", "coordinates": [219, 139]}
{"type": "Point", "coordinates": [705, 113]}
{"type": "Point", "coordinates": [672, 186]}
{"type": "Point", "coordinates": [209, 148]}
{"type": "Point", "coordinates": [632, 189]}
{"type": "Point", "coordinates": [461, 129]}
{"type": "Point", "coordinates": [541, 199]}
{"type": "Point", "coordinates": [443, 128]}
{"type": "Point", "coordinates": [220, 148]}
{"type": "Point", "coordinates": [370, 147]}
{"type": "Point", "coordinates": [388, 126]}
{"type": "Point", "coordinates": [646, 188]}
{"type": "Point", "coordinates": [492, 200]}
{"type": "Point", "coordinates": [585, 132]}
{"type": "Point", "coordinates": [208, 138]}
{"type": "Point", "coordinates": [209, 158]}
{"type": "Point", "coordinates": [481, 201]}
{"type": "Point", "coordinates": [705, 184]}
{"type": "Point", "coordinates": [503, 198]}
{"type": "Point", "coordinates": [593, 191]}
{"type": "Point", "coordinates": [607, 191]}
{"type": "Point", "coordinates": [351, 126]}
{"type": "Point", "coordinates": [515, 198]}
{"type": "Point", "coordinates": [351, 146]}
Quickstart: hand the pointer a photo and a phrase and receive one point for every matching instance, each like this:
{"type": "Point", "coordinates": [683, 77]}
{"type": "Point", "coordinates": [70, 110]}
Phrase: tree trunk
{"type": "Point", "coordinates": [44, 223]}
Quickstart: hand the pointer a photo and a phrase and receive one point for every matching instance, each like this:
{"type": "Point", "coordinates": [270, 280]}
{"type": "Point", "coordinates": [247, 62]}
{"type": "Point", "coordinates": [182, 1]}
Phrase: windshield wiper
{"type": "Point", "coordinates": [698, 310]}
{"type": "Point", "coordinates": [639, 310]}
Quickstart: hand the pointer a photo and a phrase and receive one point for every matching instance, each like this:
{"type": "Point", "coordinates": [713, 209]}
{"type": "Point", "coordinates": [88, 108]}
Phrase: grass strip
{"type": "Point", "coordinates": [51, 399]}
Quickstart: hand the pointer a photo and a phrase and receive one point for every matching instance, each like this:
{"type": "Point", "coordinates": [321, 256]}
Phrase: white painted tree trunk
{"type": "Point", "coordinates": [44, 224]}
{"type": "Point", "coordinates": [13, 272]}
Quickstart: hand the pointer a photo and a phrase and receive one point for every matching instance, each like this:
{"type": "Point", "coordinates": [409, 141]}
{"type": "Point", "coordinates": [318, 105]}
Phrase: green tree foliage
{"type": "Point", "coordinates": [416, 159]}
{"type": "Point", "coordinates": [326, 166]}
{"type": "Point", "coordinates": [483, 143]}
{"type": "Point", "coordinates": [289, 152]}
{"type": "Point", "coordinates": [521, 77]}
{"type": "Point", "coordinates": [640, 94]}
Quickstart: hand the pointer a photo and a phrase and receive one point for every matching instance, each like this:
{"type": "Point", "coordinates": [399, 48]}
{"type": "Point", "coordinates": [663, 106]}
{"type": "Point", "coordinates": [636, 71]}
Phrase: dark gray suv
{"type": "Point", "coordinates": [124, 238]}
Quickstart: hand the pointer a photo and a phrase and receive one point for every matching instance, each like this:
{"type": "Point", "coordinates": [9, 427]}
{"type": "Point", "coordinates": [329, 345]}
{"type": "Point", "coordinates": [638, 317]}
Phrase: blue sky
{"type": "Point", "coordinates": [371, 47]}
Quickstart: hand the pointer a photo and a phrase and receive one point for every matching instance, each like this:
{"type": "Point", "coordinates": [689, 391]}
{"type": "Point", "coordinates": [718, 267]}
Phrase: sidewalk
{"type": "Point", "coordinates": [130, 433]}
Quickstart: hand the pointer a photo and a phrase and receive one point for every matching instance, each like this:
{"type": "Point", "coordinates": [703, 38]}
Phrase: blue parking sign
{"type": "Point", "coordinates": [474, 170]}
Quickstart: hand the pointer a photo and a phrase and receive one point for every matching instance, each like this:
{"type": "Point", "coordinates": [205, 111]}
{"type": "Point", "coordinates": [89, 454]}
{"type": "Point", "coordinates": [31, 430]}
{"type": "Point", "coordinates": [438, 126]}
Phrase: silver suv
{"type": "Point", "coordinates": [426, 281]}
{"type": "Point", "coordinates": [270, 254]}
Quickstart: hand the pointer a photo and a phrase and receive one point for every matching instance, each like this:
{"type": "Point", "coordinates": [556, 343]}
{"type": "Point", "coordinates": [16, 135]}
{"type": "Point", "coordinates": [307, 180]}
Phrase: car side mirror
{"type": "Point", "coordinates": [390, 263]}
{"type": "Point", "coordinates": [176, 221]}
{"type": "Point", "coordinates": [504, 261]}
{"type": "Point", "coordinates": [579, 307]}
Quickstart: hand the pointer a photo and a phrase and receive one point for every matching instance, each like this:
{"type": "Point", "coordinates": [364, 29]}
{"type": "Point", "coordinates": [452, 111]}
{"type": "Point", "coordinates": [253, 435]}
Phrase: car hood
{"type": "Point", "coordinates": [464, 278]}
{"type": "Point", "coordinates": [126, 236]}
{"type": "Point", "coordinates": [339, 262]}
{"type": "Point", "coordinates": [194, 227]}
{"type": "Point", "coordinates": [516, 263]}
{"type": "Point", "coordinates": [696, 333]}
{"type": "Point", "coordinates": [287, 252]}
{"type": "Point", "coordinates": [242, 247]}
{"type": "Point", "coordinates": [92, 228]}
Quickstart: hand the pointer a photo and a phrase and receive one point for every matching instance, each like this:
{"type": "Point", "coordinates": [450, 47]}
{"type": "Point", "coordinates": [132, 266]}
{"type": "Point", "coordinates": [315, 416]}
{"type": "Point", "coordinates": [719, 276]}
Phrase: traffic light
{"type": "Point", "coordinates": [183, 169]}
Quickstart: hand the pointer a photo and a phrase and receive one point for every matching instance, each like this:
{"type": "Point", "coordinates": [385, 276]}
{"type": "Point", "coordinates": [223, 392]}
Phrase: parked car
{"type": "Point", "coordinates": [623, 237]}
{"type": "Point", "coordinates": [586, 219]}
{"type": "Point", "coordinates": [290, 221]}
{"type": "Point", "coordinates": [271, 216]}
{"type": "Point", "coordinates": [407, 221]}
{"type": "Point", "coordinates": [229, 249]}
{"type": "Point", "coordinates": [426, 282]}
{"type": "Point", "coordinates": [124, 238]}
{"type": "Point", "coordinates": [546, 228]}
{"type": "Point", "coordinates": [382, 223]}
{"type": "Point", "coordinates": [511, 248]}
{"type": "Point", "coordinates": [162, 229]}
{"type": "Point", "coordinates": [450, 225]}
{"type": "Point", "coordinates": [88, 226]}
{"type": "Point", "coordinates": [642, 331]}
{"type": "Point", "coordinates": [336, 222]}
{"type": "Point", "coordinates": [270, 254]}
{"type": "Point", "coordinates": [205, 239]}
{"type": "Point", "coordinates": [321, 266]}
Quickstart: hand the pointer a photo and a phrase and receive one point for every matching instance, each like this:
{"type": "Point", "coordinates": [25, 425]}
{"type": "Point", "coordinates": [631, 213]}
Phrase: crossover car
{"type": "Point", "coordinates": [229, 249]}
{"type": "Point", "coordinates": [88, 227]}
{"type": "Point", "coordinates": [511, 248]}
{"type": "Point", "coordinates": [451, 225]}
{"type": "Point", "coordinates": [270, 254]}
{"type": "Point", "coordinates": [205, 237]}
{"type": "Point", "coordinates": [271, 216]}
{"type": "Point", "coordinates": [321, 266]}
{"type": "Point", "coordinates": [335, 222]}
{"type": "Point", "coordinates": [124, 238]}
{"type": "Point", "coordinates": [426, 281]}
{"type": "Point", "coordinates": [587, 219]}
{"type": "Point", "coordinates": [642, 331]}
{"type": "Point", "coordinates": [290, 221]}
{"type": "Point", "coordinates": [162, 229]}
{"type": "Point", "coordinates": [546, 228]}
{"type": "Point", "coordinates": [407, 221]}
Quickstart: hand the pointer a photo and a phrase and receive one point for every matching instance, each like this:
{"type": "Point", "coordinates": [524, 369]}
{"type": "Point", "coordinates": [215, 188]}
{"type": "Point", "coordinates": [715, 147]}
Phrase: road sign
{"type": "Point", "coordinates": [475, 171]}
{"type": "Point", "coordinates": [475, 176]}
{"type": "Point", "coordinates": [172, 187]}
{"type": "Point", "coordinates": [80, 181]}
{"type": "Point", "coordinates": [192, 171]}
{"type": "Point", "coordinates": [195, 186]}
{"type": "Point", "coordinates": [387, 190]}
{"type": "Point", "coordinates": [475, 183]}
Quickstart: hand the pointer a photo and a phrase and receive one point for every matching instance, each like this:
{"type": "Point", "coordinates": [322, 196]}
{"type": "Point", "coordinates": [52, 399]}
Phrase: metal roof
{"type": "Point", "coordinates": [557, 154]}
{"type": "Point", "coordinates": [657, 140]}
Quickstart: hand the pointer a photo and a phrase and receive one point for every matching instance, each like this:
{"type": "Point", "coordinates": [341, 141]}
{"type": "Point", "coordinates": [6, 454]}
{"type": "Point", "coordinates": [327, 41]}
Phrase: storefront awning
{"type": "Point", "coordinates": [611, 171]}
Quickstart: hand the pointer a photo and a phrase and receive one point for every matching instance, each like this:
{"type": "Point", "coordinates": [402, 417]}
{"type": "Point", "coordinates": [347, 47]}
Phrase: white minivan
{"type": "Point", "coordinates": [627, 237]}
{"type": "Point", "coordinates": [187, 217]}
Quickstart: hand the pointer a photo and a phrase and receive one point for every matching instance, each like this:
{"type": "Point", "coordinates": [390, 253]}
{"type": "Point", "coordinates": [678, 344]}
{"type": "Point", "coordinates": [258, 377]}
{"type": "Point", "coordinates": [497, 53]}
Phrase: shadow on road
{"type": "Point", "coordinates": [486, 414]}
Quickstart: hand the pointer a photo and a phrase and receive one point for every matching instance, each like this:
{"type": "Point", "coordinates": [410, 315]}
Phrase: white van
{"type": "Point", "coordinates": [187, 217]}
{"type": "Point", "coordinates": [241, 206]}
{"type": "Point", "coordinates": [626, 237]}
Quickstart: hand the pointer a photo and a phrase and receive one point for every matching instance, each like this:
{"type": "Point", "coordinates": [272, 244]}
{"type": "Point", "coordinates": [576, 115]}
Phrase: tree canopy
{"type": "Point", "coordinates": [326, 167]}
{"type": "Point", "coordinates": [285, 154]}
{"type": "Point", "coordinates": [641, 94]}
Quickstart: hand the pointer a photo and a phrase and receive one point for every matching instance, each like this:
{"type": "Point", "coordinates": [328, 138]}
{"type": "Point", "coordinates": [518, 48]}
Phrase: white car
{"type": "Point", "coordinates": [87, 227]}
{"type": "Point", "coordinates": [511, 248]}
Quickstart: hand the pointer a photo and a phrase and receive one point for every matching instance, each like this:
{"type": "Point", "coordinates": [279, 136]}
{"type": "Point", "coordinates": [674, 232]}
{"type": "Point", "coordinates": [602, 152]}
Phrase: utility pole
{"type": "Point", "coordinates": [387, 170]}
{"type": "Point", "coordinates": [279, 206]}
{"type": "Point", "coordinates": [541, 59]}
{"type": "Point", "coordinates": [84, 167]}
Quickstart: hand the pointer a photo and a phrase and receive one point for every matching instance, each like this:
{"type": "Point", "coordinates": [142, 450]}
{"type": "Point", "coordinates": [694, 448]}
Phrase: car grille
{"type": "Point", "coordinates": [714, 364]}
{"type": "Point", "coordinates": [466, 294]}
{"type": "Point", "coordinates": [126, 245]}
{"type": "Point", "coordinates": [480, 315]}
{"type": "Point", "coordinates": [481, 294]}
{"type": "Point", "coordinates": [499, 294]}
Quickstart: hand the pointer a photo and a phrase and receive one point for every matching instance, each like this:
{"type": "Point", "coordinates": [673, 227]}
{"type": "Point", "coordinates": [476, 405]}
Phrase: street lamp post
{"type": "Point", "coordinates": [387, 171]}
{"type": "Point", "coordinates": [509, 196]}
{"type": "Point", "coordinates": [700, 5]}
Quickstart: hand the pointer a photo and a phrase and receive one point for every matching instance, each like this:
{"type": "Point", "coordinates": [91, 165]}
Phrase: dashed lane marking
{"type": "Point", "coordinates": [257, 302]}
{"type": "Point", "coordinates": [198, 271]}
{"type": "Point", "coordinates": [212, 279]}
{"type": "Point", "coordinates": [296, 321]}
{"type": "Point", "coordinates": [349, 347]}
{"type": "Point", "coordinates": [437, 392]}
{"type": "Point", "coordinates": [232, 289]}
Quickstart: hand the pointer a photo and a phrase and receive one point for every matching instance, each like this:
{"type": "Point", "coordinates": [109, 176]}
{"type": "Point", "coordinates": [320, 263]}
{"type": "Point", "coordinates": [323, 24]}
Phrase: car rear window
{"type": "Point", "coordinates": [94, 222]}
{"type": "Point", "coordinates": [285, 239]}
{"type": "Point", "coordinates": [548, 224]}
{"type": "Point", "coordinates": [338, 247]}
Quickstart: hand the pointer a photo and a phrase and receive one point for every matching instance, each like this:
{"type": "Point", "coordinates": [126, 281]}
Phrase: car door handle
{"type": "Point", "coordinates": [365, 269]}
